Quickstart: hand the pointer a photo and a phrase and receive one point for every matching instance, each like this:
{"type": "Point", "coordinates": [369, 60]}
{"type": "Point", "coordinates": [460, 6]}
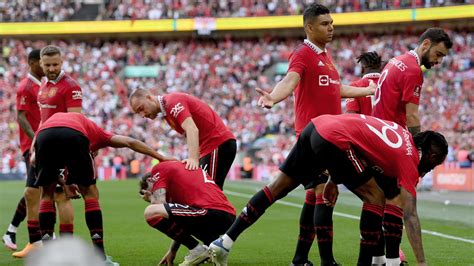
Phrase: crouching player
{"type": "Point", "coordinates": [337, 143]}
{"type": "Point", "coordinates": [66, 141]}
{"type": "Point", "coordinates": [185, 205]}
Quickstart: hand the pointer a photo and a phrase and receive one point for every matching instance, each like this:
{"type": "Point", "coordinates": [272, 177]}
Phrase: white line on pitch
{"type": "Point", "coordinates": [286, 203]}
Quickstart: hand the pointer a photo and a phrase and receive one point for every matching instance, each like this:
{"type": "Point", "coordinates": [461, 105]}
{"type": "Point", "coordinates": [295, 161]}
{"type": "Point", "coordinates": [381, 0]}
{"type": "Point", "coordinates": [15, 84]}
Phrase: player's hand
{"type": "Point", "coordinates": [145, 195]}
{"type": "Point", "coordinates": [372, 86]}
{"type": "Point", "coordinates": [71, 191]}
{"type": "Point", "coordinates": [33, 158]}
{"type": "Point", "coordinates": [265, 99]}
{"type": "Point", "coordinates": [191, 164]}
{"type": "Point", "coordinates": [168, 259]}
{"type": "Point", "coordinates": [330, 194]}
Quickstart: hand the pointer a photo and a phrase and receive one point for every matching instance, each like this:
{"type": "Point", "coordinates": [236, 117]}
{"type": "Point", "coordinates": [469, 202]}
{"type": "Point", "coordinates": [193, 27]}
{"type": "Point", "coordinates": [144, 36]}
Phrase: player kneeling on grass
{"type": "Point", "coordinates": [185, 205]}
{"type": "Point", "coordinates": [350, 147]}
{"type": "Point", "coordinates": [66, 141]}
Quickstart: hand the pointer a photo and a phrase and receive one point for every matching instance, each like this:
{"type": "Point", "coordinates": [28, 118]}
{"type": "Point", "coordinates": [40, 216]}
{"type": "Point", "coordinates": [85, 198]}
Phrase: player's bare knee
{"type": "Point", "coordinates": [395, 201]}
{"type": "Point", "coordinates": [32, 194]}
{"type": "Point", "coordinates": [89, 192]}
{"type": "Point", "coordinates": [153, 210]}
{"type": "Point", "coordinates": [281, 186]}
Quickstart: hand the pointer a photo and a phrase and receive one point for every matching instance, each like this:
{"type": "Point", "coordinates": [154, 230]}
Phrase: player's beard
{"type": "Point", "coordinates": [425, 59]}
{"type": "Point", "coordinates": [53, 75]}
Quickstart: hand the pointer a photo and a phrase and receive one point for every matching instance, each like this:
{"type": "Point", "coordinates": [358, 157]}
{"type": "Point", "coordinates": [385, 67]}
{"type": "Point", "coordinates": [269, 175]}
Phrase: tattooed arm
{"type": "Point", "coordinates": [412, 224]}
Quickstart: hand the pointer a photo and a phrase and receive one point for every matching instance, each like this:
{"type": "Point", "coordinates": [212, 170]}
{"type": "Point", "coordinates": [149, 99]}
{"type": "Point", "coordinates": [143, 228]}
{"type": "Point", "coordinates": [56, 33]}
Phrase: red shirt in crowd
{"type": "Point", "coordinates": [385, 145]}
{"type": "Point", "coordinates": [319, 89]}
{"type": "Point", "coordinates": [400, 83]}
{"type": "Point", "coordinates": [176, 107]}
{"type": "Point", "coordinates": [362, 105]}
{"type": "Point", "coordinates": [58, 95]}
{"type": "Point", "coordinates": [98, 138]}
{"type": "Point", "coordinates": [194, 188]}
{"type": "Point", "coordinates": [26, 100]}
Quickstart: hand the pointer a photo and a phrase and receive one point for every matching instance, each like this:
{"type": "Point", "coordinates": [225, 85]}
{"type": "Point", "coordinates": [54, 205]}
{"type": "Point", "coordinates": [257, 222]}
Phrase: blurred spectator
{"type": "Point", "coordinates": [61, 10]}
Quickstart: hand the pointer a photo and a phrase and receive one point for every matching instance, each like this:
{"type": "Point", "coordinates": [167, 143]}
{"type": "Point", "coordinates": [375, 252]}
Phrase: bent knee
{"type": "Point", "coordinates": [32, 194]}
{"type": "Point", "coordinates": [155, 210]}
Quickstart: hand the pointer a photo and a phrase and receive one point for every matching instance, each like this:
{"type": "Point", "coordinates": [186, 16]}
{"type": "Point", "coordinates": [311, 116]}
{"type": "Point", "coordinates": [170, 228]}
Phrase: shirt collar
{"type": "Point", "coordinates": [60, 76]}
{"type": "Point", "coordinates": [162, 105]}
{"type": "Point", "coordinates": [413, 53]}
{"type": "Point", "coordinates": [34, 79]}
{"type": "Point", "coordinates": [314, 47]}
{"type": "Point", "coordinates": [371, 75]}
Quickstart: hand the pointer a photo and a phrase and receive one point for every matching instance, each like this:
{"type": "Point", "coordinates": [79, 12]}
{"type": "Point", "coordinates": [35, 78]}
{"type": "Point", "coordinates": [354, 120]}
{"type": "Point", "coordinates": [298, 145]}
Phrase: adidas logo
{"type": "Point", "coordinates": [244, 210]}
{"type": "Point", "coordinates": [46, 237]}
{"type": "Point", "coordinates": [96, 236]}
{"type": "Point", "coordinates": [321, 64]}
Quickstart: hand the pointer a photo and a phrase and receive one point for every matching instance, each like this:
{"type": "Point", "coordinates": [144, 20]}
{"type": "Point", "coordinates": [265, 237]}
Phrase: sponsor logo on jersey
{"type": "Point", "coordinates": [76, 95]}
{"type": "Point", "coordinates": [323, 80]}
{"type": "Point", "coordinates": [417, 91]}
{"type": "Point", "coordinates": [47, 106]}
{"type": "Point", "coordinates": [176, 110]}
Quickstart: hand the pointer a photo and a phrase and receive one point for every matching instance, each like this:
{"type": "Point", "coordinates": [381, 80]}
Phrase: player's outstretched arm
{"type": "Point", "coordinates": [412, 224]}
{"type": "Point", "coordinates": [354, 92]}
{"type": "Point", "coordinates": [119, 141]}
{"type": "Point", "coordinates": [168, 258]}
{"type": "Point", "coordinates": [282, 90]}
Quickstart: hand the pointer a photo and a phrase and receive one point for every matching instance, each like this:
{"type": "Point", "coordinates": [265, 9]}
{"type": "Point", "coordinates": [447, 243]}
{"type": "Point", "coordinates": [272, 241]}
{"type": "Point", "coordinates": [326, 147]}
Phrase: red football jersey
{"type": "Point", "coordinates": [385, 145]}
{"type": "Point", "coordinates": [194, 188]}
{"type": "Point", "coordinates": [98, 138]}
{"type": "Point", "coordinates": [58, 95]}
{"type": "Point", "coordinates": [400, 83]}
{"type": "Point", "coordinates": [362, 105]}
{"type": "Point", "coordinates": [26, 101]}
{"type": "Point", "coordinates": [176, 107]}
{"type": "Point", "coordinates": [319, 89]}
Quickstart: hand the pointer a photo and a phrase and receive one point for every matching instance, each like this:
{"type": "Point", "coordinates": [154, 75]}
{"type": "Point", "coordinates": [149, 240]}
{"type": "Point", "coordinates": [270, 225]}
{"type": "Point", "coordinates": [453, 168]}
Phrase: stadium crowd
{"type": "Point", "coordinates": [225, 74]}
{"type": "Point", "coordinates": [56, 10]}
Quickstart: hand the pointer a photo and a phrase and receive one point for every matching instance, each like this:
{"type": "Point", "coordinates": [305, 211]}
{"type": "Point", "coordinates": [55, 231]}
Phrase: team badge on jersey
{"type": "Point", "coordinates": [23, 100]}
{"type": "Point", "coordinates": [52, 92]}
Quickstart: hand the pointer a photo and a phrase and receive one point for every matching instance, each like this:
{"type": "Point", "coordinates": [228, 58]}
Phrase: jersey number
{"type": "Point", "coordinates": [382, 78]}
{"type": "Point", "coordinates": [206, 180]}
{"type": "Point", "coordinates": [382, 134]}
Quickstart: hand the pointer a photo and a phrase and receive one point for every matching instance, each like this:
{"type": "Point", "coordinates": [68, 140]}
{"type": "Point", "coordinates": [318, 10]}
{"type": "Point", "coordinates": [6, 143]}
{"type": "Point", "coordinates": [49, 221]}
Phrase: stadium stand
{"type": "Point", "coordinates": [56, 10]}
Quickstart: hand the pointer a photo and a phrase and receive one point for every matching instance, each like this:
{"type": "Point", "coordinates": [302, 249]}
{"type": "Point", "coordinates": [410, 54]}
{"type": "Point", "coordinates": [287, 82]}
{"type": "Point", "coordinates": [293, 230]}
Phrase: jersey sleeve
{"type": "Point", "coordinates": [22, 100]}
{"type": "Point", "coordinates": [179, 109]}
{"type": "Point", "coordinates": [408, 177]}
{"type": "Point", "coordinates": [73, 97]}
{"type": "Point", "coordinates": [411, 88]}
{"type": "Point", "coordinates": [297, 63]}
{"type": "Point", "coordinates": [352, 105]}
{"type": "Point", "coordinates": [159, 183]}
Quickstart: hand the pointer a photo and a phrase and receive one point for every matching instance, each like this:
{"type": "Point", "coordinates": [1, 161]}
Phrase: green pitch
{"type": "Point", "coordinates": [271, 241]}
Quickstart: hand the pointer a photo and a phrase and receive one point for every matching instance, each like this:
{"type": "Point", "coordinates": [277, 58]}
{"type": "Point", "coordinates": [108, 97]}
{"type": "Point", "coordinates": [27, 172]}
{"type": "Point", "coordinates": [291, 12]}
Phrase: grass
{"type": "Point", "coordinates": [271, 241]}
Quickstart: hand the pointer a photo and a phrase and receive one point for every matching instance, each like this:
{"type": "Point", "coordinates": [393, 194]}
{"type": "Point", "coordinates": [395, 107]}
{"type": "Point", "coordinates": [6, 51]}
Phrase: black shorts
{"type": "Point", "coordinates": [217, 163]}
{"type": "Point", "coordinates": [312, 154]}
{"type": "Point", "coordinates": [61, 148]}
{"type": "Point", "coordinates": [204, 224]}
{"type": "Point", "coordinates": [389, 185]}
{"type": "Point", "coordinates": [30, 171]}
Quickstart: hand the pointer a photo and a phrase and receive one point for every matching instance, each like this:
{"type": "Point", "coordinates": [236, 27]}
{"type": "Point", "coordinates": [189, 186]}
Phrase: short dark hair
{"type": "Point", "coordinates": [313, 11]}
{"type": "Point", "coordinates": [34, 55]}
{"type": "Point", "coordinates": [370, 60]}
{"type": "Point", "coordinates": [436, 35]}
{"type": "Point", "coordinates": [50, 50]}
{"type": "Point", "coordinates": [143, 184]}
{"type": "Point", "coordinates": [431, 140]}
